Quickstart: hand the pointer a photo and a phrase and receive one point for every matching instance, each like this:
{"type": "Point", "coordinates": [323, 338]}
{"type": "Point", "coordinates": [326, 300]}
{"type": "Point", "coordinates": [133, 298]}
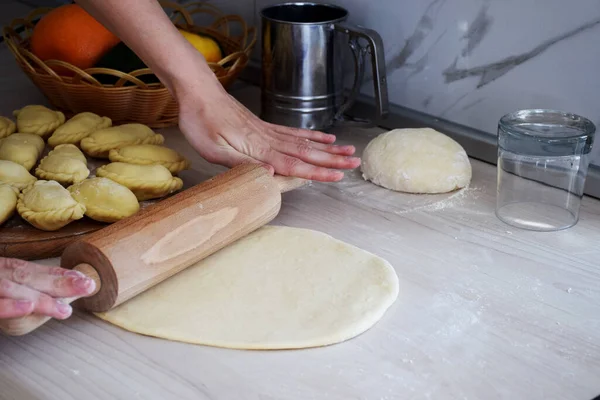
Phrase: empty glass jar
{"type": "Point", "coordinates": [543, 159]}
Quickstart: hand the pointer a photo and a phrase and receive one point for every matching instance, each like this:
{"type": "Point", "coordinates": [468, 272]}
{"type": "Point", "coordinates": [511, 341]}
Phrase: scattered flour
{"type": "Point", "coordinates": [454, 200]}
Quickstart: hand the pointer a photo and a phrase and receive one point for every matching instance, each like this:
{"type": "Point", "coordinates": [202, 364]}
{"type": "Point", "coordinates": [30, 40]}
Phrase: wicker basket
{"type": "Point", "coordinates": [130, 99]}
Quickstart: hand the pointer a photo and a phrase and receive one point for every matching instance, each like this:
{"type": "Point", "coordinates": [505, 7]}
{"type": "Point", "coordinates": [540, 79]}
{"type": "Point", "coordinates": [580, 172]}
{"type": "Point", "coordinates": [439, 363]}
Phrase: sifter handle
{"type": "Point", "coordinates": [23, 325]}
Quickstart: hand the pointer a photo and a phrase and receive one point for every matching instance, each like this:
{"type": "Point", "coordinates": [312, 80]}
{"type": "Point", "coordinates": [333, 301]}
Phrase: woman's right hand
{"type": "Point", "coordinates": [30, 288]}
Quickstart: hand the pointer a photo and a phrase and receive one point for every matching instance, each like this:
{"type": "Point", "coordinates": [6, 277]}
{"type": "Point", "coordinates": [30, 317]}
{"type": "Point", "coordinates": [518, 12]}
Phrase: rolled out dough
{"type": "Point", "coordinates": [277, 288]}
{"type": "Point", "coordinates": [420, 160]}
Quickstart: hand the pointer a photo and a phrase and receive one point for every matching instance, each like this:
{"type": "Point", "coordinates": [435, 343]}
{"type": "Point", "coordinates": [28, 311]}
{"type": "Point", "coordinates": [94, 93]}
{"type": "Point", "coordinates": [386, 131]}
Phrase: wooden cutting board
{"type": "Point", "coordinates": [18, 239]}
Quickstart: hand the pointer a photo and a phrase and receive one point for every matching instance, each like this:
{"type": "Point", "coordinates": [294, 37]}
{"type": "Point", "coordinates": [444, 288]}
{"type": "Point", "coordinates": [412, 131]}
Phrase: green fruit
{"type": "Point", "coordinates": [122, 58]}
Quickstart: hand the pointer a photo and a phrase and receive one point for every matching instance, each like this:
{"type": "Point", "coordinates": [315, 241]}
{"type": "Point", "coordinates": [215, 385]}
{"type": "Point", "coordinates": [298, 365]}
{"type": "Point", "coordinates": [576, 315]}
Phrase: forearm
{"type": "Point", "coordinates": [146, 29]}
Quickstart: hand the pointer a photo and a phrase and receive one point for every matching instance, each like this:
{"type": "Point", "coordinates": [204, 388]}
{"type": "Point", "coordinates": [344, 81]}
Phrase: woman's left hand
{"type": "Point", "coordinates": [30, 288]}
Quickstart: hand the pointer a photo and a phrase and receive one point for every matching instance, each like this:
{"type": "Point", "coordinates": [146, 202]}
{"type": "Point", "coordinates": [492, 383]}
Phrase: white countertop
{"type": "Point", "coordinates": [485, 311]}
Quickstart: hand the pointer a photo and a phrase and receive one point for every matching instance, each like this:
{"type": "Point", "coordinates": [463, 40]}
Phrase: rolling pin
{"type": "Point", "coordinates": [137, 253]}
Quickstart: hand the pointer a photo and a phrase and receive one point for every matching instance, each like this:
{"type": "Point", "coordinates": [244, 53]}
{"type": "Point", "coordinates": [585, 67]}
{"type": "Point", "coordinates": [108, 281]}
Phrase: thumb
{"type": "Point", "coordinates": [229, 157]}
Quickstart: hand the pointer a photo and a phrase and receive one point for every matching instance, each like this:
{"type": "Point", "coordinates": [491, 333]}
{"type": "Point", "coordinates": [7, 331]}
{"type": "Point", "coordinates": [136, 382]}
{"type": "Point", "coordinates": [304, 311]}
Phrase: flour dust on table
{"type": "Point", "coordinates": [420, 160]}
{"type": "Point", "coordinates": [277, 288]}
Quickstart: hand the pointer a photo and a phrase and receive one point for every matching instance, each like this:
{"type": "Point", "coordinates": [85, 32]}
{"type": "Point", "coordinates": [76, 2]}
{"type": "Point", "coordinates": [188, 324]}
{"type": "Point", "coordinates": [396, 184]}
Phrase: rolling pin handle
{"type": "Point", "coordinates": [91, 273]}
{"type": "Point", "coordinates": [289, 183]}
{"type": "Point", "coordinates": [24, 325]}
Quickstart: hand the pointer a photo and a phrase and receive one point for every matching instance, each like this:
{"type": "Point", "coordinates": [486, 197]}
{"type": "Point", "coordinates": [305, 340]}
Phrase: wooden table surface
{"type": "Point", "coordinates": [485, 311]}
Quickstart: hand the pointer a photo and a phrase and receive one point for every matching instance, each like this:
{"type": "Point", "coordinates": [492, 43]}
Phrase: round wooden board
{"type": "Point", "coordinates": [19, 239]}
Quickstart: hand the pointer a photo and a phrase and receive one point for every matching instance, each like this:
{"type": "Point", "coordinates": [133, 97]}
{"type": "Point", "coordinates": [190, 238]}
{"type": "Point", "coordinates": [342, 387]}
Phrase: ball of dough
{"type": "Point", "coordinates": [419, 160]}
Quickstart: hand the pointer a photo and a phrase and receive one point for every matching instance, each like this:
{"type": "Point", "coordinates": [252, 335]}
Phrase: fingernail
{"type": "Point", "coordinates": [268, 168]}
{"type": "Point", "coordinates": [82, 283]}
{"type": "Point", "coordinates": [63, 308]}
{"type": "Point", "coordinates": [74, 273]}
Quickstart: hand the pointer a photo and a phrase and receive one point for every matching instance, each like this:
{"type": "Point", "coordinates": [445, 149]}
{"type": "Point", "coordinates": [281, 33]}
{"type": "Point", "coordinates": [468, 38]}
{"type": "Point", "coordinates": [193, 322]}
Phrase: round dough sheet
{"type": "Point", "coordinates": [277, 288]}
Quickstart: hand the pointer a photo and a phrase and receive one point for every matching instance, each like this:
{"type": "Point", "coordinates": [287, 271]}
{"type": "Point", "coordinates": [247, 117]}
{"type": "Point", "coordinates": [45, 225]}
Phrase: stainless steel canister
{"type": "Point", "coordinates": [302, 64]}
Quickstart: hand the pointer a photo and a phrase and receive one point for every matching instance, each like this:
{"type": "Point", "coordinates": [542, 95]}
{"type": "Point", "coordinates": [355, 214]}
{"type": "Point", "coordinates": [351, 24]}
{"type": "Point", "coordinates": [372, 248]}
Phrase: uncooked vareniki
{"type": "Point", "coordinates": [15, 175]}
{"type": "Point", "coordinates": [99, 143]}
{"type": "Point", "coordinates": [48, 206]}
{"type": "Point", "coordinates": [105, 200]}
{"type": "Point", "coordinates": [146, 154]}
{"type": "Point", "coordinates": [145, 181]}
{"type": "Point", "coordinates": [80, 126]}
{"type": "Point", "coordinates": [22, 148]}
{"type": "Point", "coordinates": [70, 151]}
{"type": "Point", "coordinates": [65, 164]}
{"type": "Point", "coordinates": [38, 120]}
{"type": "Point", "coordinates": [7, 127]}
{"type": "Point", "coordinates": [8, 201]}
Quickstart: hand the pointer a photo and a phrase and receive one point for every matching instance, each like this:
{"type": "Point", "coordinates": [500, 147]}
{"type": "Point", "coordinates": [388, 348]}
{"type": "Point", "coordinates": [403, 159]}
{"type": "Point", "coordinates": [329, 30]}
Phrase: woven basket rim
{"type": "Point", "coordinates": [218, 31]}
{"type": "Point", "coordinates": [129, 99]}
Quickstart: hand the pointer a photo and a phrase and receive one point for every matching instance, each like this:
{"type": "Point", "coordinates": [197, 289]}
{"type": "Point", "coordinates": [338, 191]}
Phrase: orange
{"type": "Point", "coordinates": [68, 33]}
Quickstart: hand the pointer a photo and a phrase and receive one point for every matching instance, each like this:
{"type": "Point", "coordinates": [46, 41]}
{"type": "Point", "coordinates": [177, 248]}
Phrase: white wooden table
{"type": "Point", "coordinates": [484, 312]}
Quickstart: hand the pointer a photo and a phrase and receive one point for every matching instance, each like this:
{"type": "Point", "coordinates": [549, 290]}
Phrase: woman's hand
{"type": "Point", "coordinates": [29, 288]}
{"type": "Point", "coordinates": [225, 132]}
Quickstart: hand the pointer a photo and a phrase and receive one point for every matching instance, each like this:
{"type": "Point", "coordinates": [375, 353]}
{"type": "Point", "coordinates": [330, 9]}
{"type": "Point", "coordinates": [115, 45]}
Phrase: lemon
{"type": "Point", "coordinates": [205, 45]}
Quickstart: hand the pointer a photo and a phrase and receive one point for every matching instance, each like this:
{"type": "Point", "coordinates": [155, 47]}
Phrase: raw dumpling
{"type": "Point", "coordinates": [105, 200]}
{"type": "Point", "coordinates": [48, 206]}
{"type": "Point", "coordinates": [8, 201]}
{"type": "Point", "coordinates": [15, 175]}
{"type": "Point", "coordinates": [99, 143]}
{"type": "Point", "coordinates": [145, 154]}
{"type": "Point", "coordinates": [145, 181]}
{"type": "Point", "coordinates": [38, 120]}
{"type": "Point", "coordinates": [7, 127]}
{"type": "Point", "coordinates": [77, 128]}
{"type": "Point", "coordinates": [22, 148]}
{"type": "Point", "coordinates": [70, 151]}
{"type": "Point", "coordinates": [65, 164]}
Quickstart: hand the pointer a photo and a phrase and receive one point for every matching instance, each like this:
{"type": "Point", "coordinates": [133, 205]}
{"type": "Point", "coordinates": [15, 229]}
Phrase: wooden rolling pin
{"type": "Point", "coordinates": [136, 253]}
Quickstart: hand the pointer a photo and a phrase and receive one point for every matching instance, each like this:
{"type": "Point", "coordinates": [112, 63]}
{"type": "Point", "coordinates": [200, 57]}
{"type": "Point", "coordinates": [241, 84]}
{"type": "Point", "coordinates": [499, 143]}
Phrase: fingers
{"type": "Point", "coordinates": [53, 281]}
{"type": "Point", "coordinates": [19, 300]}
{"type": "Point", "coordinates": [11, 308]}
{"type": "Point", "coordinates": [315, 136]}
{"type": "Point", "coordinates": [347, 150]}
{"type": "Point", "coordinates": [312, 155]}
{"type": "Point", "coordinates": [291, 166]}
